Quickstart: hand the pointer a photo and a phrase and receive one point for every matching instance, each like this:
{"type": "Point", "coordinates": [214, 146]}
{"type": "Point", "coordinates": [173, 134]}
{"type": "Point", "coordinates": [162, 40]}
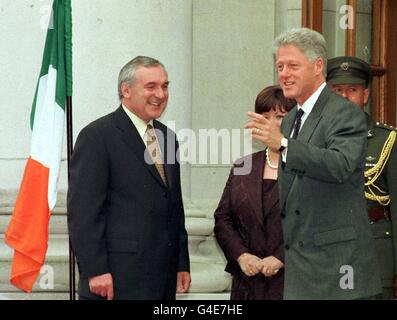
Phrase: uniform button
{"type": "Point", "coordinates": [145, 186]}
{"type": "Point", "coordinates": [169, 244]}
{"type": "Point", "coordinates": [297, 212]}
{"type": "Point", "coordinates": [286, 247]}
{"type": "Point", "coordinates": [300, 244]}
{"type": "Point", "coordinates": [387, 233]}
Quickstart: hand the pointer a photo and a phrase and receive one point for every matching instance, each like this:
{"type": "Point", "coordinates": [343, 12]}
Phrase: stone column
{"type": "Point", "coordinates": [232, 62]}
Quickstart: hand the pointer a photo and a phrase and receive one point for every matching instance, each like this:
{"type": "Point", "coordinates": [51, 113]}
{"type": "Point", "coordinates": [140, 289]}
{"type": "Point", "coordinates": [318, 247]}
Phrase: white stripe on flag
{"type": "Point", "coordinates": [48, 129]}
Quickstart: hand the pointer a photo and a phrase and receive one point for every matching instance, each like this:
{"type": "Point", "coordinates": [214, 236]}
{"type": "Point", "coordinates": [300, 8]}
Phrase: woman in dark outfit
{"type": "Point", "coordinates": [247, 220]}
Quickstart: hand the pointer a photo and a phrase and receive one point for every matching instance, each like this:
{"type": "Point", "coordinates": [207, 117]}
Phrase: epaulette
{"type": "Point", "coordinates": [386, 126]}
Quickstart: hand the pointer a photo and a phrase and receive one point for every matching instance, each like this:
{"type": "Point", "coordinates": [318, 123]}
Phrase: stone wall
{"type": "Point", "coordinates": [219, 56]}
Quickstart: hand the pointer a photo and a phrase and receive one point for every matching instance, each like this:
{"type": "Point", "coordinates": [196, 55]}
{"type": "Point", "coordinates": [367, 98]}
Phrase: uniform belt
{"type": "Point", "coordinates": [378, 213]}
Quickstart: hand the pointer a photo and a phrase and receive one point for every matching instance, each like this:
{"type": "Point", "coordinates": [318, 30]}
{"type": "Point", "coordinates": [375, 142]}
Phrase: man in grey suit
{"type": "Point", "coordinates": [329, 249]}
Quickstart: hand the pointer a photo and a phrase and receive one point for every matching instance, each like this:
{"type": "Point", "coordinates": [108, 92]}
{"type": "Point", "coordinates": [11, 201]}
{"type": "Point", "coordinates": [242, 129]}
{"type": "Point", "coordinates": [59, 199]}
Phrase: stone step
{"type": "Point", "coordinates": [57, 224]}
{"type": "Point", "coordinates": [207, 260]}
{"type": "Point", "coordinates": [199, 209]}
{"type": "Point", "coordinates": [65, 296]}
{"type": "Point", "coordinates": [200, 230]}
{"type": "Point", "coordinates": [195, 225]}
{"type": "Point", "coordinates": [207, 271]}
{"type": "Point", "coordinates": [34, 296]}
{"type": "Point", "coordinates": [57, 263]}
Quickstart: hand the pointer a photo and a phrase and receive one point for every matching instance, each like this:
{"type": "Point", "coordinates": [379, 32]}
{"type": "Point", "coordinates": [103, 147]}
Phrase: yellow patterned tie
{"type": "Point", "coordinates": [154, 151]}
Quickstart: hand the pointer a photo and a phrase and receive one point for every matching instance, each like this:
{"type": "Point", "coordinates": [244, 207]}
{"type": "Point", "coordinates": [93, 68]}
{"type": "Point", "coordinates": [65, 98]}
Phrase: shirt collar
{"type": "Point", "coordinates": [139, 124]}
{"type": "Point", "coordinates": [309, 103]}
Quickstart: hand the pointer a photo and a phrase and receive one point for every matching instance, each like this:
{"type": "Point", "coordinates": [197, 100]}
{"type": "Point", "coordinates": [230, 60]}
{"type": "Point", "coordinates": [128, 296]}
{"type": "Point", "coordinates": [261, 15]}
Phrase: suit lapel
{"type": "Point", "coordinates": [286, 179]}
{"type": "Point", "coordinates": [314, 117]}
{"type": "Point", "coordinates": [288, 122]}
{"type": "Point", "coordinates": [253, 185]}
{"type": "Point", "coordinates": [134, 141]}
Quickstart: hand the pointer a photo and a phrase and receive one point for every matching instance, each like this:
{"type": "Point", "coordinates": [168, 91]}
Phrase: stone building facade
{"type": "Point", "coordinates": [219, 56]}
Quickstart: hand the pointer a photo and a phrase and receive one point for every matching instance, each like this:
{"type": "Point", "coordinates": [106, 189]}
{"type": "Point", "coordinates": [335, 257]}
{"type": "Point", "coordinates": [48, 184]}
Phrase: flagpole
{"type": "Point", "coordinates": [69, 133]}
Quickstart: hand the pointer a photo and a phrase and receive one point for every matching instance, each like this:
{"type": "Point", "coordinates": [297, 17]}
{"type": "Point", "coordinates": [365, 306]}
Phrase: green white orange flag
{"type": "Point", "coordinates": [27, 232]}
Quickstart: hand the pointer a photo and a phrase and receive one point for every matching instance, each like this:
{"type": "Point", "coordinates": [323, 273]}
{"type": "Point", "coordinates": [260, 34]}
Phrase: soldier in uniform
{"type": "Point", "coordinates": [350, 78]}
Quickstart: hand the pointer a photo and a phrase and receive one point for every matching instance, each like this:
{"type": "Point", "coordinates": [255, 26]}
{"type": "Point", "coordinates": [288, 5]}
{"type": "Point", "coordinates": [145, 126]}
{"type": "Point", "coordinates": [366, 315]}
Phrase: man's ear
{"type": "Point", "coordinates": [366, 95]}
{"type": "Point", "coordinates": [319, 64]}
{"type": "Point", "coordinates": [125, 90]}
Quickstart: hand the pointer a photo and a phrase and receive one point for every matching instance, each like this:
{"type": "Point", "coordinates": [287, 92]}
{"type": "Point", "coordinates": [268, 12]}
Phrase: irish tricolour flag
{"type": "Point", "coordinates": [27, 232]}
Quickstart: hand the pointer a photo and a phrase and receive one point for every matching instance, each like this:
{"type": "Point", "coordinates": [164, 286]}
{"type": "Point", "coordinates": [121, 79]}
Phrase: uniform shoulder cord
{"type": "Point", "coordinates": [373, 173]}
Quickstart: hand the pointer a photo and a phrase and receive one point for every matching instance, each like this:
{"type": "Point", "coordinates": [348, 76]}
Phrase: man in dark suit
{"type": "Point", "coordinates": [350, 77]}
{"type": "Point", "coordinates": [125, 211]}
{"type": "Point", "coordinates": [329, 250]}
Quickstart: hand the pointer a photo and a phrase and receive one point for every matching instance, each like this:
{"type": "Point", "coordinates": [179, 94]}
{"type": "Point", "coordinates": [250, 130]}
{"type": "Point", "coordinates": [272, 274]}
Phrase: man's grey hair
{"type": "Point", "coordinates": [128, 72]}
{"type": "Point", "coordinates": [310, 42]}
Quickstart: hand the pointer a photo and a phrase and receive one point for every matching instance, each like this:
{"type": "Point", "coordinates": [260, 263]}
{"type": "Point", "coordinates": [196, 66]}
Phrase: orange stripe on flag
{"type": "Point", "coordinates": [27, 232]}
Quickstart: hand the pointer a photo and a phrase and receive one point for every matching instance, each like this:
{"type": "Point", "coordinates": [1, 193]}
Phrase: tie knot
{"type": "Point", "coordinates": [150, 132]}
{"type": "Point", "coordinates": [300, 113]}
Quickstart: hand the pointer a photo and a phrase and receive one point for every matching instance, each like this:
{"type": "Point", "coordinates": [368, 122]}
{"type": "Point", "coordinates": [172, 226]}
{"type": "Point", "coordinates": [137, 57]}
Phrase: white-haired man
{"type": "Point", "coordinates": [329, 250]}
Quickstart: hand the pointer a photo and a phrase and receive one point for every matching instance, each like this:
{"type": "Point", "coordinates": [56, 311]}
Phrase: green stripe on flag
{"type": "Point", "coordinates": [58, 54]}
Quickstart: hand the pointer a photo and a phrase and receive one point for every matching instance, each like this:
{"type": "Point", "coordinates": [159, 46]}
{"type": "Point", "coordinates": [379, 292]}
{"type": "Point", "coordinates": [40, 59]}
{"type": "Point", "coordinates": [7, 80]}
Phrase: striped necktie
{"type": "Point", "coordinates": [154, 151]}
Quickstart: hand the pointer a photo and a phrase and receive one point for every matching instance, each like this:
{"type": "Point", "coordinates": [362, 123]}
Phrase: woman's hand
{"type": "Point", "coordinates": [271, 266]}
{"type": "Point", "coordinates": [249, 264]}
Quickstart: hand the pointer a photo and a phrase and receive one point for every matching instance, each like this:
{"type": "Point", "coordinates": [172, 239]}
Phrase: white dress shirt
{"type": "Point", "coordinates": [139, 124]}
{"type": "Point", "coordinates": [307, 108]}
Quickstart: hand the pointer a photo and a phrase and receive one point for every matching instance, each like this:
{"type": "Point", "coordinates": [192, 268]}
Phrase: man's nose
{"type": "Point", "coordinates": [160, 93]}
{"type": "Point", "coordinates": [283, 73]}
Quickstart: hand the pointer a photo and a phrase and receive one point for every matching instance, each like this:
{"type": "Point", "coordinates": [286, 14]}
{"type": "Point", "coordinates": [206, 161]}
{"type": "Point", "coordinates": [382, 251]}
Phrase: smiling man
{"type": "Point", "coordinates": [125, 211]}
{"type": "Point", "coordinates": [329, 251]}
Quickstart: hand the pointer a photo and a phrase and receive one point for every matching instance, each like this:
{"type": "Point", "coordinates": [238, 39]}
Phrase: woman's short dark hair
{"type": "Point", "coordinates": [271, 98]}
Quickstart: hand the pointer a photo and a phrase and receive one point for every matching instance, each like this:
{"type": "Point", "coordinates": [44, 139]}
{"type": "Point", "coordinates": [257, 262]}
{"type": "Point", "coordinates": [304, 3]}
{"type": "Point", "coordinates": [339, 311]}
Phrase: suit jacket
{"type": "Point", "coordinates": [122, 218]}
{"type": "Point", "coordinates": [330, 252]}
{"type": "Point", "coordinates": [241, 226]}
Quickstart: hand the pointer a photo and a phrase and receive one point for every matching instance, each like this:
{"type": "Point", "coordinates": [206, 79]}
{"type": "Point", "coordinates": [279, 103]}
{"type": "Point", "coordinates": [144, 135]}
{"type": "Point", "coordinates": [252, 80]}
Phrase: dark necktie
{"type": "Point", "coordinates": [154, 151]}
{"type": "Point", "coordinates": [298, 121]}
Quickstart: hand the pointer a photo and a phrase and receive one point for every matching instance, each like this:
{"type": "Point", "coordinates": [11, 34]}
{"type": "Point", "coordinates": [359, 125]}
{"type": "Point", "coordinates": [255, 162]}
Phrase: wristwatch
{"type": "Point", "coordinates": [284, 144]}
